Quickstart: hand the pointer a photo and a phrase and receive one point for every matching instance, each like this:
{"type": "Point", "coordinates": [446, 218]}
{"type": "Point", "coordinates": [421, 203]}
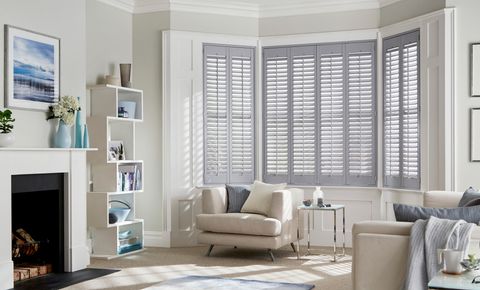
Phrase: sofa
{"type": "Point", "coordinates": [250, 230]}
{"type": "Point", "coordinates": [380, 248]}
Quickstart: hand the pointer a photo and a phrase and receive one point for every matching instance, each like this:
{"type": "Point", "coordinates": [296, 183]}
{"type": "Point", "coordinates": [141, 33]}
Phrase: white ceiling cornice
{"type": "Point", "coordinates": [248, 8]}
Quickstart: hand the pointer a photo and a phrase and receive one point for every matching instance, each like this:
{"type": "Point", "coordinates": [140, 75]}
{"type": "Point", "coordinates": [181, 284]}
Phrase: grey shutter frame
{"type": "Point", "coordinates": [361, 126]}
{"type": "Point", "coordinates": [331, 120]}
{"type": "Point", "coordinates": [401, 41]}
{"type": "Point", "coordinates": [276, 88]}
{"type": "Point", "coordinates": [214, 173]}
{"type": "Point", "coordinates": [242, 129]}
{"type": "Point", "coordinates": [303, 115]}
{"type": "Point", "coordinates": [215, 87]}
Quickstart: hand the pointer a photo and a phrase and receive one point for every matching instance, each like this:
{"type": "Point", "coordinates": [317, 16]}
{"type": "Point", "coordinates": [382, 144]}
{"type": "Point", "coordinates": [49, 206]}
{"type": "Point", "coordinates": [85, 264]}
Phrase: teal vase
{"type": "Point", "coordinates": [86, 141]}
{"type": "Point", "coordinates": [63, 138]}
{"type": "Point", "coordinates": [78, 130]}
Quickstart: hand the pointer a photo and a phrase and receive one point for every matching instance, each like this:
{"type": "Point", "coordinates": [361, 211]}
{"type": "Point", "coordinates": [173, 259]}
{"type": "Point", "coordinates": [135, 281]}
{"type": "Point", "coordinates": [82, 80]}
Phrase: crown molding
{"type": "Point", "coordinates": [241, 8]}
{"type": "Point", "coordinates": [318, 7]}
{"type": "Point", "coordinates": [125, 5]}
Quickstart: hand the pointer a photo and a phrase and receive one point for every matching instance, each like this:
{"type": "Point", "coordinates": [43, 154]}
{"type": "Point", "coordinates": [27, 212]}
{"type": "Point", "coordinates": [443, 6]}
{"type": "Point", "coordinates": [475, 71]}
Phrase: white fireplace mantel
{"type": "Point", "coordinates": [72, 162]}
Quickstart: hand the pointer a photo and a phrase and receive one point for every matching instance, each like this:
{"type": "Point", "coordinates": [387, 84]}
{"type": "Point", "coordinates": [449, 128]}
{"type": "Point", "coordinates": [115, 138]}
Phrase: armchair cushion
{"type": "Point", "coordinates": [470, 197]}
{"type": "Point", "coordinates": [237, 195]}
{"type": "Point", "coordinates": [409, 213]}
{"type": "Point", "coordinates": [239, 223]}
{"type": "Point", "coordinates": [260, 199]}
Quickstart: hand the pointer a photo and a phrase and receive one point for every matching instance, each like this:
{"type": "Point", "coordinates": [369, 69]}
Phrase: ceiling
{"type": "Point", "coordinates": [249, 8]}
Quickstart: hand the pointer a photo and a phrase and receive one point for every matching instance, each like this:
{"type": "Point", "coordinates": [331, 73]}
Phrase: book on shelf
{"type": "Point", "coordinates": [129, 178]}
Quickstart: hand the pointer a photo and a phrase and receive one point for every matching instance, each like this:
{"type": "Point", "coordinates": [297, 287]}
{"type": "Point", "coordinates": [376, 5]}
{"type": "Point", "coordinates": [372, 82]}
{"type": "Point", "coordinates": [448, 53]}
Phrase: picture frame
{"type": "Point", "coordinates": [475, 70]}
{"type": "Point", "coordinates": [116, 150]}
{"type": "Point", "coordinates": [32, 69]}
{"type": "Point", "coordinates": [475, 134]}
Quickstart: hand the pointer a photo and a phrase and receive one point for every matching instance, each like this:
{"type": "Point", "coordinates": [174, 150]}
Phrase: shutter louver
{"type": "Point", "coordinates": [402, 111]}
{"type": "Point", "coordinates": [241, 111]}
{"type": "Point", "coordinates": [276, 115]}
{"type": "Point", "coordinates": [303, 116]}
{"type": "Point", "coordinates": [361, 115]}
{"type": "Point", "coordinates": [331, 115]}
{"type": "Point", "coordinates": [228, 115]}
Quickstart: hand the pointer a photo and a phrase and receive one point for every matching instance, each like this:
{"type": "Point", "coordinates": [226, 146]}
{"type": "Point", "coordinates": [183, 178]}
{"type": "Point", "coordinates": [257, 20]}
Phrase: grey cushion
{"type": "Point", "coordinates": [409, 213]}
{"type": "Point", "coordinates": [237, 195]}
{"type": "Point", "coordinates": [470, 197]}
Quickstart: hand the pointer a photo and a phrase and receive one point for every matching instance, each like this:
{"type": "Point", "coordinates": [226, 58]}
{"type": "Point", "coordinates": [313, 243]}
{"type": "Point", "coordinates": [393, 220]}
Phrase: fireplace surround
{"type": "Point", "coordinates": [71, 163]}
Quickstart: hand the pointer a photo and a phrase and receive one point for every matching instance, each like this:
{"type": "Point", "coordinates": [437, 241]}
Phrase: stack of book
{"type": "Point", "coordinates": [129, 178]}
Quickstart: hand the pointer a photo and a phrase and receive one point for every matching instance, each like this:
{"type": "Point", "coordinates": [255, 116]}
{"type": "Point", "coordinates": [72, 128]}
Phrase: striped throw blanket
{"type": "Point", "coordinates": [426, 237]}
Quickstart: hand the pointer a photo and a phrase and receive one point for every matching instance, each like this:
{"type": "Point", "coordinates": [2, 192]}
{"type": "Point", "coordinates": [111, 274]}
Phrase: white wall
{"type": "Point", "coordinates": [322, 22]}
{"type": "Point", "coordinates": [109, 40]}
{"type": "Point", "coordinates": [147, 67]}
{"type": "Point", "coordinates": [64, 19]}
{"type": "Point", "coordinates": [467, 32]}
{"type": "Point", "coordinates": [407, 9]}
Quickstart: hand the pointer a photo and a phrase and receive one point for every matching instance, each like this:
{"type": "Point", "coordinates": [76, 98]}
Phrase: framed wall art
{"type": "Point", "coordinates": [475, 70]}
{"type": "Point", "coordinates": [32, 69]}
{"type": "Point", "coordinates": [475, 134]}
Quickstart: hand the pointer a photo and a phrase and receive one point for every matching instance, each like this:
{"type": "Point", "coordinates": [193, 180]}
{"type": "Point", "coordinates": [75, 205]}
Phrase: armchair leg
{"type": "Point", "coordinates": [293, 247]}
{"type": "Point", "coordinates": [272, 257]}
{"type": "Point", "coordinates": [209, 250]}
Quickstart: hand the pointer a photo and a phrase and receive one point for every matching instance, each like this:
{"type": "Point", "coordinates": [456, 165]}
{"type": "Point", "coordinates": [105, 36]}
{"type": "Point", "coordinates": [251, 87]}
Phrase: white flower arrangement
{"type": "Point", "coordinates": [65, 109]}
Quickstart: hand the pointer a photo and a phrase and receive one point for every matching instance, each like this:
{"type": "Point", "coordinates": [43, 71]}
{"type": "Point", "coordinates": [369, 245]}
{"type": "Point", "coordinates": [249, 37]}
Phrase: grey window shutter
{"type": "Point", "coordinates": [331, 123]}
{"type": "Point", "coordinates": [402, 111]}
{"type": "Point", "coordinates": [303, 118]}
{"type": "Point", "coordinates": [242, 131]}
{"type": "Point", "coordinates": [215, 114]}
{"type": "Point", "coordinates": [361, 124]}
{"type": "Point", "coordinates": [228, 114]}
{"type": "Point", "coordinates": [276, 115]}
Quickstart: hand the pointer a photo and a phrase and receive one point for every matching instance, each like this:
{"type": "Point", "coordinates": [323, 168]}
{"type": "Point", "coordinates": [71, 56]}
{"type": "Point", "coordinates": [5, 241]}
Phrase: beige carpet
{"type": "Point", "coordinates": [158, 264]}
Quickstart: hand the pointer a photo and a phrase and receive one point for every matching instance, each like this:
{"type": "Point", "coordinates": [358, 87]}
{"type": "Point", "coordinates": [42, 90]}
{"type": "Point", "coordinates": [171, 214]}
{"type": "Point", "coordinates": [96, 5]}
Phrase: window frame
{"type": "Point", "coordinates": [345, 179]}
{"type": "Point", "coordinates": [229, 176]}
{"type": "Point", "coordinates": [401, 40]}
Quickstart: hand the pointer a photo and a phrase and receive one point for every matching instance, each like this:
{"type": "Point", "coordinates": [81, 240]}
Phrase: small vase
{"type": "Point", "coordinates": [125, 70]}
{"type": "Point", "coordinates": [6, 139]}
{"type": "Point", "coordinates": [78, 130]}
{"type": "Point", "coordinates": [63, 138]}
{"type": "Point", "coordinates": [86, 141]}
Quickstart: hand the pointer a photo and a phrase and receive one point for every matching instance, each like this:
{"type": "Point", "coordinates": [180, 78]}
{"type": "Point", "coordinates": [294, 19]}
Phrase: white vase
{"type": "Point", "coordinates": [318, 193]}
{"type": "Point", "coordinates": [6, 139]}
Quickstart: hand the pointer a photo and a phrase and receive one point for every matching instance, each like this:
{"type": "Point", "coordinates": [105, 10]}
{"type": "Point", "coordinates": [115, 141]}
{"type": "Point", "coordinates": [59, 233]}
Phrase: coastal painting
{"type": "Point", "coordinates": [32, 69]}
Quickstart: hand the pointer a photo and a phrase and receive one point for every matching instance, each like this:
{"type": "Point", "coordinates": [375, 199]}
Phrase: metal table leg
{"type": "Point", "coordinates": [308, 231]}
{"type": "Point", "coordinates": [334, 235]}
{"type": "Point", "coordinates": [298, 234]}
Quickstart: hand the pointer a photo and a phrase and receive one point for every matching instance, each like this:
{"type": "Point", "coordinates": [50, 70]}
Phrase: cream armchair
{"type": "Point", "coordinates": [270, 232]}
{"type": "Point", "coordinates": [380, 248]}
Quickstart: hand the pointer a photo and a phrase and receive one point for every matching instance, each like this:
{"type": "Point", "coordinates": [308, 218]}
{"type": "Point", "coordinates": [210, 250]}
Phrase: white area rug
{"type": "Point", "coordinates": [219, 283]}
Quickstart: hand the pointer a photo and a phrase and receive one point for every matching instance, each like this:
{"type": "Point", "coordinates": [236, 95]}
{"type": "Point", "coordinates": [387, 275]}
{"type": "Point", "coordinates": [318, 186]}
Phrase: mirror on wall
{"type": "Point", "coordinates": [475, 70]}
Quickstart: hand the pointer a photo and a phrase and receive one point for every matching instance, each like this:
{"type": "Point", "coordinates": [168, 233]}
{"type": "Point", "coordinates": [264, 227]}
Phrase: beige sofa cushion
{"type": "Point", "coordinates": [260, 198]}
{"type": "Point", "coordinates": [239, 223]}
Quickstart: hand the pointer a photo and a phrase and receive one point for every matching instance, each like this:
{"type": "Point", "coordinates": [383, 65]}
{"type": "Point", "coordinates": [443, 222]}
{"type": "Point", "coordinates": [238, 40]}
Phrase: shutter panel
{"type": "Point", "coordinates": [276, 112]}
{"type": "Point", "coordinates": [391, 111]}
{"type": "Point", "coordinates": [242, 116]}
{"type": "Point", "coordinates": [360, 131]}
{"type": "Point", "coordinates": [331, 74]}
{"type": "Point", "coordinates": [303, 115]}
{"type": "Point", "coordinates": [216, 122]}
{"type": "Point", "coordinates": [411, 116]}
{"type": "Point", "coordinates": [402, 111]}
